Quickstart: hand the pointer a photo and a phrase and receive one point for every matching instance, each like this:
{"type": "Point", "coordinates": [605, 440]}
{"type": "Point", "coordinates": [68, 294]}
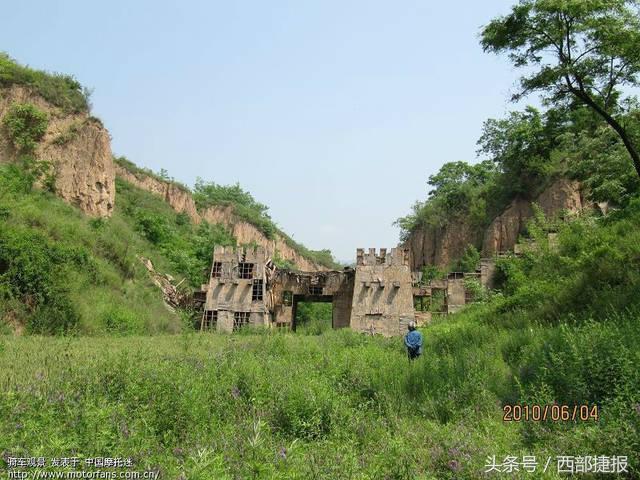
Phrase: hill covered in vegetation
{"type": "Point", "coordinates": [564, 159]}
{"type": "Point", "coordinates": [231, 206]}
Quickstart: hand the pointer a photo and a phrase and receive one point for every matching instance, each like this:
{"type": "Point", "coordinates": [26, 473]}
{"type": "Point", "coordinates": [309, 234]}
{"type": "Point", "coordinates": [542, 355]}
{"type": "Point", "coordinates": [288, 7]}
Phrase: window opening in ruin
{"type": "Point", "coordinates": [258, 290]}
{"type": "Point", "coordinates": [245, 270]}
{"type": "Point", "coordinates": [287, 298]}
{"type": "Point", "coordinates": [216, 271]}
{"type": "Point", "coordinates": [438, 302]}
{"type": "Point", "coordinates": [240, 320]}
{"type": "Point", "coordinates": [315, 289]}
{"type": "Point", "coordinates": [210, 320]}
{"type": "Point", "coordinates": [421, 303]}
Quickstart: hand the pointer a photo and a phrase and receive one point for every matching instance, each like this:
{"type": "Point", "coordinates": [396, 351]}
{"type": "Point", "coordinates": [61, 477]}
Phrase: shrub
{"type": "Point", "coordinates": [119, 320]}
{"type": "Point", "coordinates": [32, 270]}
{"type": "Point", "coordinates": [26, 125]}
{"type": "Point", "coordinates": [469, 261]}
{"type": "Point", "coordinates": [153, 227]}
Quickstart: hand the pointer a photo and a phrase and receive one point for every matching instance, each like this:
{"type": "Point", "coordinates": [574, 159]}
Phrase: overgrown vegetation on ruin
{"type": "Point", "coordinates": [63, 91]}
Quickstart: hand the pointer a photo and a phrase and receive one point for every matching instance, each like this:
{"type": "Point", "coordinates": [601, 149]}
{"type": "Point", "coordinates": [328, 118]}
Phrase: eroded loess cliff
{"type": "Point", "coordinates": [177, 197]}
{"type": "Point", "coordinates": [78, 148]}
{"type": "Point", "coordinates": [440, 246]}
{"type": "Point", "coordinates": [181, 201]}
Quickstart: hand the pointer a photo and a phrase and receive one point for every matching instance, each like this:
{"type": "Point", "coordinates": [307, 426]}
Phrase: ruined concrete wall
{"type": "Point", "coordinates": [342, 302]}
{"type": "Point", "coordinates": [78, 148]}
{"type": "Point", "coordinates": [382, 293]}
{"type": "Point", "coordinates": [227, 293]}
{"type": "Point", "coordinates": [455, 294]}
{"type": "Point", "coordinates": [376, 297]}
{"type": "Point", "coordinates": [487, 272]}
{"type": "Point", "coordinates": [333, 286]}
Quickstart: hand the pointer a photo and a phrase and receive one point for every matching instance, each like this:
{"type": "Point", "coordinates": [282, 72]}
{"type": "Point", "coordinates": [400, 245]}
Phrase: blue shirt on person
{"type": "Point", "coordinates": [413, 341]}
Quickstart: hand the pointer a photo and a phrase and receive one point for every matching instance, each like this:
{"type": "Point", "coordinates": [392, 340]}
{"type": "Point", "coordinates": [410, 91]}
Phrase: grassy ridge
{"type": "Point", "coordinates": [245, 207]}
{"type": "Point", "coordinates": [63, 91]}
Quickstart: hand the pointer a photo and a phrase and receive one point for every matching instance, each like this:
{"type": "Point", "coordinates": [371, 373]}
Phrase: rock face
{"type": "Point", "coordinates": [440, 246]}
{"type": "Point", "coordinates": [563, 195]}
{"type": "Point", "coordinates": [79, 149]}
{"type": "Point", "coordinates": [244, 232]}
{"type": "Point", "coordinates": [502, 234]}
{"type": "Point", "coordinates": [179, 198]}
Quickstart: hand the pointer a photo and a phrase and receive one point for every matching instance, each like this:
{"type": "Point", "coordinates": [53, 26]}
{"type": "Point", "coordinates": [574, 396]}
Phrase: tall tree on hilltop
{"type": "Point", "coordinates": [583, 50]}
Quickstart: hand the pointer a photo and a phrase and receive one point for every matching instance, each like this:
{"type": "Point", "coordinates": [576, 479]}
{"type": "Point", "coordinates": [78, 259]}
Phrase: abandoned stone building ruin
{"type": "Point", "coordinates": [378, 296]}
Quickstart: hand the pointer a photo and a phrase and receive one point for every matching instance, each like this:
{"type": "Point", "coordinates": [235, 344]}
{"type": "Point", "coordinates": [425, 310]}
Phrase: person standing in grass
{"type": "Point", "coordinates": [413, 341]}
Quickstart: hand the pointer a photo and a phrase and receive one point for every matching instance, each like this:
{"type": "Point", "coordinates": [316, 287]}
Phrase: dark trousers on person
{"type": "Point", "coordinates": [413, 353]}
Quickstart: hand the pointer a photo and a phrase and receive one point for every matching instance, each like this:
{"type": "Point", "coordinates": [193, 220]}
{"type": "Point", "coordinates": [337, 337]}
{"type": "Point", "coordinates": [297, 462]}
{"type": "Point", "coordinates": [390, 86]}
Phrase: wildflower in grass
{"type": "Point", "coordinates": [235, 392]}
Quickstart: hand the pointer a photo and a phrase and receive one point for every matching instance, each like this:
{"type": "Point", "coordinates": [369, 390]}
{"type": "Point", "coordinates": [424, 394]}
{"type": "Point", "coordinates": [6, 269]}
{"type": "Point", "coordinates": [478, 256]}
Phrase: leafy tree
{"type": "Point", "coordinates": [581, 51]}
{"type": "Point", "coordinates": [469, 261]}
{"type": "Point", "coordinates": [521, 147]}
{"type": "Point", "coordinates": [598, 158]}
{"type": "Point", "coordinates": [431, 272]}
{"type": "Point", "coordinates": [455, 180]}
{"type": "Point", "coordinates": [459, 188]}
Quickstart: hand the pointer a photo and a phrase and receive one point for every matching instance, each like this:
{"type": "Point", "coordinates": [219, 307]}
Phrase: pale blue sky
{"type": "Point", "coordinates": [333, 113]}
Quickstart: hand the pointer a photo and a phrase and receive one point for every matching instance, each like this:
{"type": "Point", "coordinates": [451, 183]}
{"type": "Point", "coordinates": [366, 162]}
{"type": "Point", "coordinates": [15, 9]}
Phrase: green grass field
{"type": "Point", "coordinates": [337, 405]}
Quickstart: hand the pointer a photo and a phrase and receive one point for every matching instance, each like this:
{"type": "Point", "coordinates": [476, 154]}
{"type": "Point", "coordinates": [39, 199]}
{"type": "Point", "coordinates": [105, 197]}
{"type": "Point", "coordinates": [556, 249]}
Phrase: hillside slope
{"type": "Point", "coordinates": [564, 162]}
{"type": "Point", "coordinates": [443, 245]}
{"type": "Point", "coordinates": [64, 272]}
{"type": "Point", "coordinates": [249, 229]}
{"type": "Point", "coordinates": [45, 119]}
